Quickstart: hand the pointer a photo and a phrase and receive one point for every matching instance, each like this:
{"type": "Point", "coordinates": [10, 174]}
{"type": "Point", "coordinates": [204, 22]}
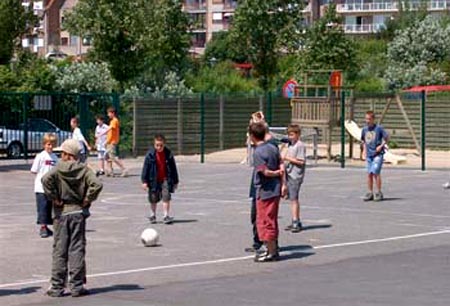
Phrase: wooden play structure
{"type": "Point", "coordinates": [316, 102]}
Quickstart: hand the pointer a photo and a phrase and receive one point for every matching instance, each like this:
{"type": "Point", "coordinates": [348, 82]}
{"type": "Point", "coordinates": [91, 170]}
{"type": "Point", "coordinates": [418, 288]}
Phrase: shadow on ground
{"type": "Point", "coordinates": [115, 288]}
{"type": "Point", "coordinates": [16, 167]}
{"type": "Point", "coordinates": [22, 291]}
{"type": "Point", "coordinates": [296, 252]}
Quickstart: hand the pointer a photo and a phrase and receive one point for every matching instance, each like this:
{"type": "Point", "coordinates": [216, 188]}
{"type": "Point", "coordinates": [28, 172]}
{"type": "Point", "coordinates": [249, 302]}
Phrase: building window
{"type": "Point", "coordinates": [64, 41]}
{"type": "Point", "coordinates": [87, 41]}
{"type": "Point", "coordinates": [73, 40]}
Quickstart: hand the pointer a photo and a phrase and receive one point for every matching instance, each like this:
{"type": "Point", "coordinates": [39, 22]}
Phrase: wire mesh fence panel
{"type": "Point", "coordinates": [27, 117]}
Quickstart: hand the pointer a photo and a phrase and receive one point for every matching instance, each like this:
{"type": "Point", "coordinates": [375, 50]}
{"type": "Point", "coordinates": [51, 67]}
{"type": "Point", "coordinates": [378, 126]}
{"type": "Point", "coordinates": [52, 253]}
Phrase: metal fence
{"type": "Point", "coordinates": [203, 123]}
{"type": "Point", "coordinates": [25, 117]}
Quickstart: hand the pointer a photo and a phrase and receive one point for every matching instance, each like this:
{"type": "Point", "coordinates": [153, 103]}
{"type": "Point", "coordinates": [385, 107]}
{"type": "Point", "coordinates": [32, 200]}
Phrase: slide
{"type": "Point", "coordinates": [355, 131]}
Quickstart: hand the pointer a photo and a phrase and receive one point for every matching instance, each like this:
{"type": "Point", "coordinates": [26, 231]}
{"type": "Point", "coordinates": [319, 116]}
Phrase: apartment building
{"type": "Point", "coordinates": [48, 36]}
{"type": "Point", "coordinates": [208, 17]}
{"type": "Point", "coordinates": [34, 40]}
{"type": "Point", "coordinates": [369, 16]}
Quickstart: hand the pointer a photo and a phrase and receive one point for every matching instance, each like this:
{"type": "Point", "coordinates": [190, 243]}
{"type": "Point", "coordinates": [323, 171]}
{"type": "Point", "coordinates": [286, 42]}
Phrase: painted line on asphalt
{"type": "Point", "coordinates": [233, 259]}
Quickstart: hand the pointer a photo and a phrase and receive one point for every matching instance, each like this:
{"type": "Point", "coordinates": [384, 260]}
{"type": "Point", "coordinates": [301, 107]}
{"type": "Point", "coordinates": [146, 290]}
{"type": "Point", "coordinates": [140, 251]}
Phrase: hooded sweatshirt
{"type": "Point", "coordinates": [71, 182]}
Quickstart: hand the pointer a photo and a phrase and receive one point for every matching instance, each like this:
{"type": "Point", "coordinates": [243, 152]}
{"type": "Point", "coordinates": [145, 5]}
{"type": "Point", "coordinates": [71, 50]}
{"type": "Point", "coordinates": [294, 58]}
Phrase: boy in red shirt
{"type": "Point", "coordinates": [159, 177]}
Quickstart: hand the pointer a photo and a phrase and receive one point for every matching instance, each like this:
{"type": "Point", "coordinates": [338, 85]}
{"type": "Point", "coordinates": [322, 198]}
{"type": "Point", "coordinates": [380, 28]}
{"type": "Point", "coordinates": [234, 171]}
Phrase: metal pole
{"type": "Point", "coordinates": [342, 129]}
{"type": "Point", "coordinates": [25, 100]}
{"type": "Point", "coordinates": [221, 122]}
{"type": "Point", "coordinates": [202, 128]}
{"type": "Point", "coordinates": [423, 129]}
{"type": "Point", "coordinates": [269, 108]}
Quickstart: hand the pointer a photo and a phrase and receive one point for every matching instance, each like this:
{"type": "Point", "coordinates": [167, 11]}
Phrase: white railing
{"type": "Point", "coordinates": [387, 6]}
{"type": "Point", "coordinates": [363, 28]}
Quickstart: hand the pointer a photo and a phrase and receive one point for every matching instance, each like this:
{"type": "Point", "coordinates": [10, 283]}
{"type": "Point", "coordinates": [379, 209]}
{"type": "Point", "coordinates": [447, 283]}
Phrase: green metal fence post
{"type": "Point", "coordinates": [202, 128]}
{"type": "Point", "coordinates": [116, 102]}
{"type": "Point", "coordinates": [269, 108]}
{"type": "Point", "coordinates": [342, 129]}
{"type": "Point", "coordinates": [423, 129]}
{"type": "Point", "coordinates": [84, 111]}
{"type": "Point", "coordinates": [25, 101]}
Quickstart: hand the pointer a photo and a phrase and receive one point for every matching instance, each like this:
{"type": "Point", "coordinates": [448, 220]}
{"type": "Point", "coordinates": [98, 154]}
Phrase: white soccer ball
{"type": "Point", "coordinates": [149, 237]}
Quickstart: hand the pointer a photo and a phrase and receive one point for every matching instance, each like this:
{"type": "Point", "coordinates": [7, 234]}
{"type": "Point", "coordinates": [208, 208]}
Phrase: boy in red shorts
{"type": "Point", "coordinates": [270, 186]}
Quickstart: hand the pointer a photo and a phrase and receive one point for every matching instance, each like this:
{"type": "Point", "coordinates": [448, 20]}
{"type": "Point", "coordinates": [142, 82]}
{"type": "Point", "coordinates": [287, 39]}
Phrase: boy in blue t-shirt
{"type": "Point", "coordinates": [374, 139]}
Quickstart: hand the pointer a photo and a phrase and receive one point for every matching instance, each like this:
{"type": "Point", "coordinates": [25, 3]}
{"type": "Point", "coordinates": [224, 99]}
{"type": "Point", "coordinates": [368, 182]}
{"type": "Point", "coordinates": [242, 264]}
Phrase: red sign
{"type": "Point", "coordinates": [336, 79]}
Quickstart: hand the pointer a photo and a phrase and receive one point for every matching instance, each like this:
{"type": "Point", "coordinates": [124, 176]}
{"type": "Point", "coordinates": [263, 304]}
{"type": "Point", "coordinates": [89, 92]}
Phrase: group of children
{"type": "Point", "coordinates": [278, 175]}
{"type": "Point", "coordinates": [65, 189]}
{"type": "Point", "coordinates": [275, 175]}
{"type": "Point", "coordinates": [106, 140]}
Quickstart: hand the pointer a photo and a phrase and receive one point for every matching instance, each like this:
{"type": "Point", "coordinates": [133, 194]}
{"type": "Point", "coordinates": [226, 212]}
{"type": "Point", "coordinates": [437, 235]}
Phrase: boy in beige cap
{"type": "Point", "coordinates": [72, 187]}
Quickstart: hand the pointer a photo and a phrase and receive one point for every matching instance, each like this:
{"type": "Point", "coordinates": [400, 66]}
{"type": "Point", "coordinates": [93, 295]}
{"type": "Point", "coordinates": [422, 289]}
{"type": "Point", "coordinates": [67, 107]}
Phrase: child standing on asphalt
{"type": "Point", "coordinates": [72, 187]}
{"type": "Point", "coordinates": [100, 141]}
{"type": "Point", "coordinates": [270, 186]}
{"type": "Point", "coordinates": [42, 164]}
{"type": "Point", "coordinates": [374, 139]}
{"type": "Point", "coordinates": [78, 136]}
{"type": "Point", "coordinates": [160, 177]}
{"type": "Point", "coordinates": [294, 160]}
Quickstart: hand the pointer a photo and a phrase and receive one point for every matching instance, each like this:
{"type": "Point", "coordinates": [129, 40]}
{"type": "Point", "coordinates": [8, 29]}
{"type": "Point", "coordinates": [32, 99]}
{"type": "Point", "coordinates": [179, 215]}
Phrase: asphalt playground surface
{"type": "Point", "coordinates": [395, 252]}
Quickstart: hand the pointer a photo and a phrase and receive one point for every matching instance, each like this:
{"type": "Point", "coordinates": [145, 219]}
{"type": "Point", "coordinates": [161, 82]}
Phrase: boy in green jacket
{"type": "Point", "coordinates": [72, 187]}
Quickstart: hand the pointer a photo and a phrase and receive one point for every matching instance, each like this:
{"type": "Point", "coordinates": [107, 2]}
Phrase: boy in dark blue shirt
{"type": "Point", "coordinates": [270, 186]}
{"type": "Point", "coordinates": [374, 139]}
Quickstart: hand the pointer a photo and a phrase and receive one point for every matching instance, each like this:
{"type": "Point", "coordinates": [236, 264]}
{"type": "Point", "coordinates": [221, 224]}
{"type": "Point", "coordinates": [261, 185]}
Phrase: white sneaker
{"type": "Point", "coordinates": [446, 185]}
{"type": "Point", "coordinates": [124, 173]}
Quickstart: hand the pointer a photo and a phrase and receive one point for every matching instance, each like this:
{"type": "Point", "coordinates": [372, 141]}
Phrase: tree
{"type": "Point", "coordinates": [222, 48]}
{"type": "Point", "coordinates": [415, 54]}
{"type": "Point", "coordinates": [15, 21]}
{"type": "Point", "coordinates": [406, 17]}
{"type": "Point", "coordinates": [327, 47]}
{"type": "Point", "coordinates": [84, 77]}
{"type": "Point", "coordinates": [259, 27]}
{"type": "Point", "coordinates": [132, 36]}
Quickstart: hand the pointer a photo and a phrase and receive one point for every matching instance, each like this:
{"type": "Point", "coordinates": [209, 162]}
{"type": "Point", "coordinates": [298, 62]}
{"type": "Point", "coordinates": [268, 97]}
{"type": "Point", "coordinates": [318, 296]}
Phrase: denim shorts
{"type": "Point", "coordinates": [374, 164]}
{"type": "Point", "coordinates": [161, 193]}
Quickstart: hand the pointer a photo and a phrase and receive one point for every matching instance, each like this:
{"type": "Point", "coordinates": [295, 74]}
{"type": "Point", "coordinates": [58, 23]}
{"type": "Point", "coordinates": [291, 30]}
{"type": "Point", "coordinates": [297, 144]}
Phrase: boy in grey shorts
{"type": "Point", "coordinates": [294, 160]}
{"type": "Point", "coordinates": [159, 177]}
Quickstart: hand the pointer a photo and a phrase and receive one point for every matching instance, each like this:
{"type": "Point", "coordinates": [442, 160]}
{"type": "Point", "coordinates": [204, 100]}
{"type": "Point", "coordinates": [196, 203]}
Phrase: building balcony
{"type": "Point", "coordinates": [363, 28]}
{"type": "Point", "coordinates": [194, 6]}
{"type": "Point", "coordinates": [388, 7]}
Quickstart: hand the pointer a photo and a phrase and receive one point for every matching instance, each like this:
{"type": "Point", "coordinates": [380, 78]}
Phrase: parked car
{"type": "Point", "coordinates": [12, 141]}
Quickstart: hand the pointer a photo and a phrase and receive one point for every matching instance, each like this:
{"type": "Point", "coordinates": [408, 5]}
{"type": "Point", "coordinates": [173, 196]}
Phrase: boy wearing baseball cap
{"type": "Point", "coordinates": [72, 187]}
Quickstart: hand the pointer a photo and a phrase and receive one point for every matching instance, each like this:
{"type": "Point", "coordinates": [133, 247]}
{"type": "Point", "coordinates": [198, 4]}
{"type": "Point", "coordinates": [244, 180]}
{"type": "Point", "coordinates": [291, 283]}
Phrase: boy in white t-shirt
{"type": "Point", "coordinates": [78, 135]}
{"type": "Point", "coordinates": [100, 140]}
{"type": "Point", "coordinates": [43, 163]}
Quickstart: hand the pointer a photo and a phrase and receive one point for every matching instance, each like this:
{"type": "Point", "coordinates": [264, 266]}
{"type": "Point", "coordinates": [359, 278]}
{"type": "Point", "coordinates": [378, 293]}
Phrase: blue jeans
{"type": "Point", "coordinates": [374, 164]}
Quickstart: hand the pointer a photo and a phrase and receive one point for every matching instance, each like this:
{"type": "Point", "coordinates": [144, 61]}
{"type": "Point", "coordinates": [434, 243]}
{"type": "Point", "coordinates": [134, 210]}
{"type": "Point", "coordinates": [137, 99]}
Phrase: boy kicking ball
{"type": "Point", "coordinates": [374, 139]}
{"type": "Point", "coordinates": [159, 177]}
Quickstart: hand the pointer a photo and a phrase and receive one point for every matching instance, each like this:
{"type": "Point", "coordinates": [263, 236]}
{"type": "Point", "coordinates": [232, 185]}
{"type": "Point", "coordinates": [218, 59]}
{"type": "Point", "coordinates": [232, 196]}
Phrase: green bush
{"type": "Point", "coordinates": [221, 78]}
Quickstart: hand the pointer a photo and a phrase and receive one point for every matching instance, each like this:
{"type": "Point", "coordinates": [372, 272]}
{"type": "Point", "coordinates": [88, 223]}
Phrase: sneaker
{"type": "Point", "coordinates": [289, 227]}
{"type": "Point", "coordinates": [378, 197]}
{"type": "Point", "coordinates": [152, 219]}
{"type": "Point", "coordinates": [296, 227]}
{"type": "Point", "coordinates": [44, 232]}
{"type": "Point", "coordinates": [49, 232]}
{"type": "Point", "coordinates": [446, 185]}
{"type": "Point", "coordinates": [79, 293]}
{"type": "Point", "coordinates": [253, 249]}
{"type": "Point", "coordinates": [266, 257]}
{"type": "Point", "coordinates": [168, 220]}
{"type": "Point", "coordinates": [368, 197]}
{"type": "Point", "coordinates": [52, 292]}
{"type": "Point", "coordinates": [124, 173]}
